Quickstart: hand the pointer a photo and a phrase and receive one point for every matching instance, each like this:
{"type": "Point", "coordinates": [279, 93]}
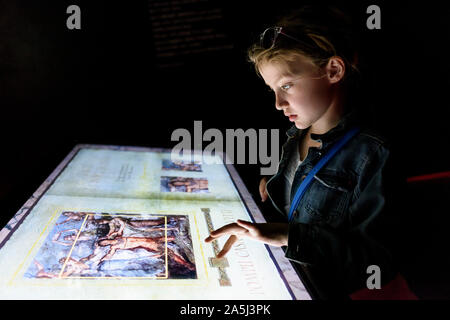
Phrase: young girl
{"type": "Point", "coordinates": [345, 224]}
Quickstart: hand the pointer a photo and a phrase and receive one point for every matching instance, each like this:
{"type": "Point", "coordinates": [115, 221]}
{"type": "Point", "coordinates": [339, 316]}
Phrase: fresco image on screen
{"type": "Point", "coordinates": [181, 165]}
{"type": "Point", "coordinates": [103, 245]}
{"type": "Point", "coordinates": [184, 184]}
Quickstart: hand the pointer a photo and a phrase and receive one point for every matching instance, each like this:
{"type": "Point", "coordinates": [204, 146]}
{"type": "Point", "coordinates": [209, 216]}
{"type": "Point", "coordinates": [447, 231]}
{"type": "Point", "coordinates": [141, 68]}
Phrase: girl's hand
{"type": "Point", "coordinates": [262, 189]}
{"type": "Point", "coordinates": [275, 234]}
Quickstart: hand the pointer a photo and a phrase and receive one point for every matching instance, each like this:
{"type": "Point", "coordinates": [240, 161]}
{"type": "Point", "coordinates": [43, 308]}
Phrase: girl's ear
{"type": "Point", "coordinates": [335, 69]}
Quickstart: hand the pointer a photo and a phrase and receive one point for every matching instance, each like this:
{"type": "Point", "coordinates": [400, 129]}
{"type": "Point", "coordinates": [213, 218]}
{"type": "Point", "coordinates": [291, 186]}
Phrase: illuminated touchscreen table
{"type": "Point", "coordinates": [128, 223]}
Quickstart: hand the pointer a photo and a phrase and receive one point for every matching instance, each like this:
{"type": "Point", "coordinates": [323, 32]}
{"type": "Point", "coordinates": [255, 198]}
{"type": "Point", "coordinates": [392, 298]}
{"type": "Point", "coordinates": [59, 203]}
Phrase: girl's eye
{"type": "Point", "coordinates": [286, 86]}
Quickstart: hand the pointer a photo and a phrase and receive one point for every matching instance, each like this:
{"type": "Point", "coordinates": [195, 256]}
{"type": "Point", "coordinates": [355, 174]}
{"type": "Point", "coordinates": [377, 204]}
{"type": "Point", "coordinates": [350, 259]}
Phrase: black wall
{"type": "Point", "coordinates": [102, 84]}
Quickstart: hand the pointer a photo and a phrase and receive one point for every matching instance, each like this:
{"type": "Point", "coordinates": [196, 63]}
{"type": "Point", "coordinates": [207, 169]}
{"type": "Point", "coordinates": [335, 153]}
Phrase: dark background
{"type": "Point", "coordinates": [102, 84]}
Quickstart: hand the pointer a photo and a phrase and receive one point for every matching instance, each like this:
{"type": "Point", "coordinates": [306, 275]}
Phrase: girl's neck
{"type": "Point", "coordinates": [331, 117]}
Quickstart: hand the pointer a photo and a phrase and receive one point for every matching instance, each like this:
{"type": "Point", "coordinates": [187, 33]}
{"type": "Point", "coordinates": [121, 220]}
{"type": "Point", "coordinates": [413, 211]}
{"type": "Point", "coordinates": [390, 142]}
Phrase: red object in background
{"type": "Point", "coordinates": [397, 289]}
{"type": "Point", "coordinates": [429, 177]}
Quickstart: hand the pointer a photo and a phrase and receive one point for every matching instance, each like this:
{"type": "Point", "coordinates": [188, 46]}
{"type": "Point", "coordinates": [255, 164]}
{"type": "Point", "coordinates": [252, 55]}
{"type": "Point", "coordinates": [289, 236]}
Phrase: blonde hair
{"type": "Point", "coordinates": [323, 32]}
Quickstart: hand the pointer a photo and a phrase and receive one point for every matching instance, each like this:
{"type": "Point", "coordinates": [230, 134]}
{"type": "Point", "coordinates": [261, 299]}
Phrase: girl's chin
{"type": "Point", "coordinates": [301, 125]}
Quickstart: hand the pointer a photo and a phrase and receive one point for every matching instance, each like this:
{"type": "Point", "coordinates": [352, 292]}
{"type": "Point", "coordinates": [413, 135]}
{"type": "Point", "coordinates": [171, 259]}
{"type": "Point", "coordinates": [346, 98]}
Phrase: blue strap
{"type": "Point", "coordinates": [307, 181]}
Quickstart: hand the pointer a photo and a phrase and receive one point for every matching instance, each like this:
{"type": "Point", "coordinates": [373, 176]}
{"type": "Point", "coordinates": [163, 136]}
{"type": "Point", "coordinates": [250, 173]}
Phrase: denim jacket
{"type": "Point", "coordinates": [347, 220]}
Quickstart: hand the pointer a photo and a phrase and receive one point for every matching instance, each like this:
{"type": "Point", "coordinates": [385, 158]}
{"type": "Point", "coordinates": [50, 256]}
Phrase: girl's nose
{"type": "Point", "coordinates": [280, 103]}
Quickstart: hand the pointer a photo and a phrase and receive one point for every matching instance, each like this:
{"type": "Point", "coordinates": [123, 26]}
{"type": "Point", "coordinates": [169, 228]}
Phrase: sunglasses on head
{"type": "Point", "coordinates": [268, 38]}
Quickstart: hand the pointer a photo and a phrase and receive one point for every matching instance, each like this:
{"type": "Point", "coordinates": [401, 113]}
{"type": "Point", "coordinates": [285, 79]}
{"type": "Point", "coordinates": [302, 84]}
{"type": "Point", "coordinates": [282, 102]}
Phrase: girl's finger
{"type": "Point", "coordinates": [227, 229]}
{"type": "Point", "coordinates": [262, 190]}
{"type": "Point", "coordinates": [264, 196]}
{"type": "Point", "coordinates": [246, 224]}
{"type": "Point", "coordinates": [227, 246]}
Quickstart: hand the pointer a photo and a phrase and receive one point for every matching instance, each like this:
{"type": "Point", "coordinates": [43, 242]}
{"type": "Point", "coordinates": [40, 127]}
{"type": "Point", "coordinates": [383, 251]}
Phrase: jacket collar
{"type": "Point", "coordinates": [349, 120]}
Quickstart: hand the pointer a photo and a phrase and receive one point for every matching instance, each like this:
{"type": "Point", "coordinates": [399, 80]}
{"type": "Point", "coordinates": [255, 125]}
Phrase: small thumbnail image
{"type": "Point", "coordinates": [181, 165]}
{"type": "Point", "coordinates": [184, 184]}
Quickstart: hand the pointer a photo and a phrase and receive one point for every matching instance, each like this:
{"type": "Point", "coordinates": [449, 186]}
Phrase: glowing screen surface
{"type": "Point", "coordinates": [129, 223]}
